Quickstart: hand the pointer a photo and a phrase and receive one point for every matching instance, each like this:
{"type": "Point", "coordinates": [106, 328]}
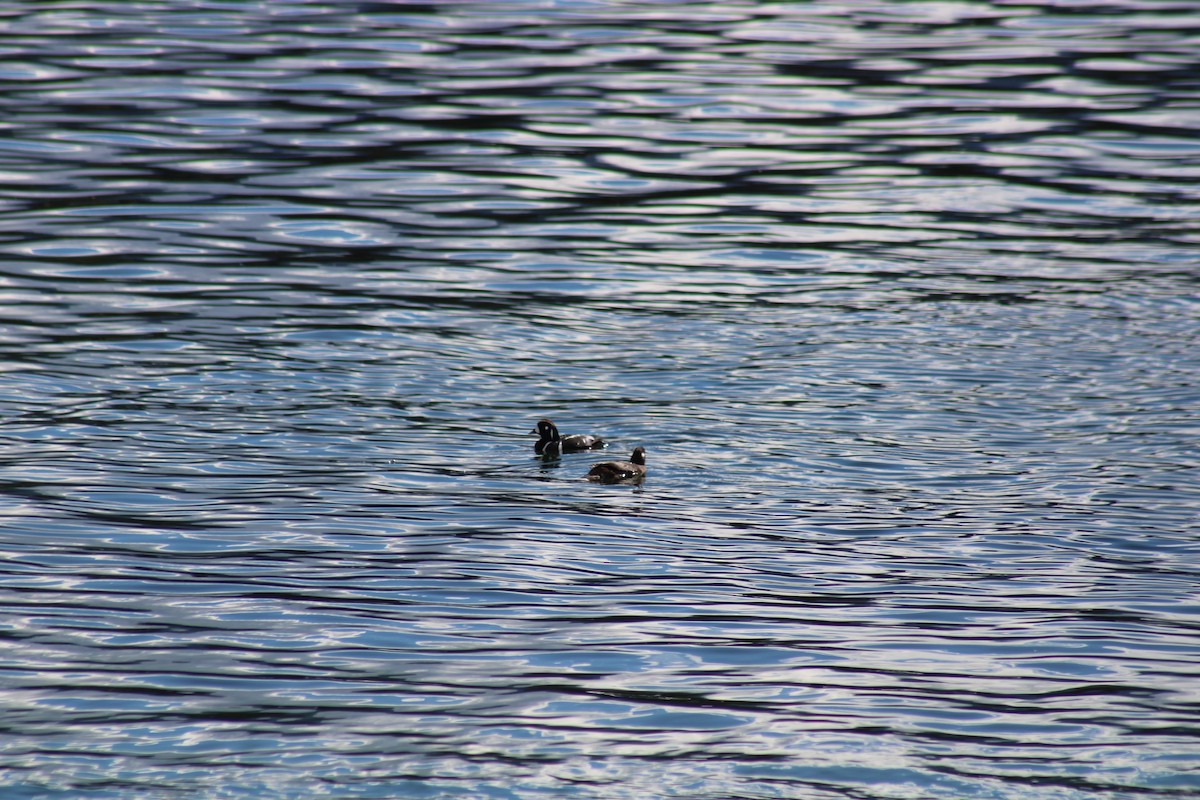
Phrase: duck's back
{"type": "Point", "coordinates": [580, 441]}
{"type": "Point", "coordinates": [550, 443]}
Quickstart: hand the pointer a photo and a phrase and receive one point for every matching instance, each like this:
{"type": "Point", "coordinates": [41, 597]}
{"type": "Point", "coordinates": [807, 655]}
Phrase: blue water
{"type": "Point", "coordinates": [902, 301]}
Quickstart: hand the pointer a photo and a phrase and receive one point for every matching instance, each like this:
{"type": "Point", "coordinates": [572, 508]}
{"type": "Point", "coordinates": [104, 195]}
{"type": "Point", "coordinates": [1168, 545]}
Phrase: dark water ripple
{"type": "Point", "coordinates": [901, 299]}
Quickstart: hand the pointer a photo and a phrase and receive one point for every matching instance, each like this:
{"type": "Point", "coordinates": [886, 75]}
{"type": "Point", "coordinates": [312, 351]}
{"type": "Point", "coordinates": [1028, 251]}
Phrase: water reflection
{"type": "Point", "coordinates": [900, 299]}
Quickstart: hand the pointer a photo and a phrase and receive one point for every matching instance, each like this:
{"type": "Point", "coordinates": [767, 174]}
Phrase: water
{"type": "Point", "coordinates": [901, 300]}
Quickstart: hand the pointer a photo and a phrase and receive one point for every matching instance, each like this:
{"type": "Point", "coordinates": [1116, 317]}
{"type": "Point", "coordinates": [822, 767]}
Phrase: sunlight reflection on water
{"type": "Point", "coordinates": [899, 299]}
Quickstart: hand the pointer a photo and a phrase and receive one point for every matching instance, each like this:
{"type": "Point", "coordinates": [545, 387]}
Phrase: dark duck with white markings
{"type": "Point", "coordinates": [551, 443]}
{"type": "Point", "coordinates": [631, 471]}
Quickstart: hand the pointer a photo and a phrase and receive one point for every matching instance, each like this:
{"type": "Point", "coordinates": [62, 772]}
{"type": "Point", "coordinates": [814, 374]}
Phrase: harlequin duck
{"type": "Point", "coordinates": [551, 444]}
{"type": "Point", "coordinates": [632, 470]}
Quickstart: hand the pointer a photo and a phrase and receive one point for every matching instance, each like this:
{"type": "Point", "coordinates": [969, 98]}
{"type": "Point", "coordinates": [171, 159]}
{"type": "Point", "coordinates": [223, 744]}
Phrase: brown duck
{"type": "Point", "coordinates": [631, 471]}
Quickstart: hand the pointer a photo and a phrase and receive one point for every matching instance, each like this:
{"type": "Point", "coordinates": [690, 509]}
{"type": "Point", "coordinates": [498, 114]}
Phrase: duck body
{"type": "Point", "coordinates": [631, 471]}
{"type": "Point", "coordinates": [551, 444]}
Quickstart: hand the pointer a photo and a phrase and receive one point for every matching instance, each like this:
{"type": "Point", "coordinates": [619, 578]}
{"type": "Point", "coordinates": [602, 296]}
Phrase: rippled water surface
{"type": "Point", "coordinates": [900, 298]}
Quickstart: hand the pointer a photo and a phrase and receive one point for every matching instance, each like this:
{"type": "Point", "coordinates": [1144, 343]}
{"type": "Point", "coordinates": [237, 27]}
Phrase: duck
{"type": "Point", "coordinates": [633, 470]}
{"type": "Point", "coordinates": [551, 444]}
